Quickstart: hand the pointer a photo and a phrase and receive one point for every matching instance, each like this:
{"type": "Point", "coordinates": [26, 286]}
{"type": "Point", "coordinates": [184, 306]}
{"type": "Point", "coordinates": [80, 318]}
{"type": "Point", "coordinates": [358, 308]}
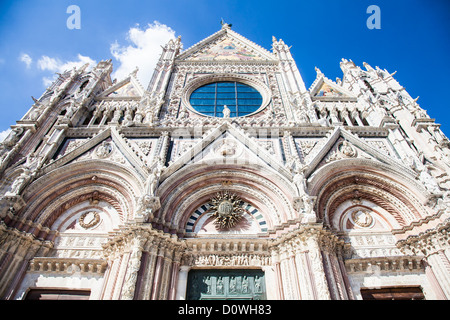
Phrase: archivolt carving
{"type": "Point", "coordinates": [118, 185]}
{"type": "Point", "coordinates": [181, 213]}
{"type": "Point", "coordinates": [384, 199]}
{"type": "Point", "coordinates": [392, 196]}
{"type": "Point", "coordinates": [189, 190]}
{"type": "Point", "coordinates": [66, 201]}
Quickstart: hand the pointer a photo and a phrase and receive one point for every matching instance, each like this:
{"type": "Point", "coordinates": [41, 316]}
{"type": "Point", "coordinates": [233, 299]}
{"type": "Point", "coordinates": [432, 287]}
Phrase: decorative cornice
{"type": "Point", "coordinates": [385, 264]}
{"type": "Point", "coordinates": [299, 238]}
{"type": "Point", "coordinates": [121, 240]}
{"type": "Point", "coordinates": [428, 242]}
{"type": "Point", "coordinates": [67, 265]}
{"type": "Point", "coordinates": [24, 236]}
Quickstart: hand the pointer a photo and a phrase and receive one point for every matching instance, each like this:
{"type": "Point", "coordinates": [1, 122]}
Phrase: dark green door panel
{"type": "Point", "coordinates": [219, 284]}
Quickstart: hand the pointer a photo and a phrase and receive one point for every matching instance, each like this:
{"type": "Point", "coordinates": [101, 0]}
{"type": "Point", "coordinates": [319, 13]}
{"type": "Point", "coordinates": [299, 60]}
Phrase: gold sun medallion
{"type": "Point", "coordinates": [226, 209]}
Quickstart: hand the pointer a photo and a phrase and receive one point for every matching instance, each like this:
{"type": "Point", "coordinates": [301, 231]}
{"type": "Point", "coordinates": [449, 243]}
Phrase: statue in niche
{"type": "Point", "coordinates": [299, 180]}
{"type": "Point", "coordinates": [20, 181]}
{"type": "Point", "coordinates": [138, 117]}
{"type": "Point", "coordinates": [153, 178]}
{"type": "Point", "coordinates": [116, 116]}
{"type": "Point", "coordinates": [226, 112]}
{"type": "Point", "coordinates": [70, 110]}
{"type": "Point", "coordinates": [128, 118]}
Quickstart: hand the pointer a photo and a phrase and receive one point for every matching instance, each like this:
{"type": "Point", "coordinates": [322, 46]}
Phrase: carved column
{"type": "Point", "coordinates": [435, 246]}
{"type": "Point", "coordinates": [158, 273]}
{"type": "Point", "coordinates": [16, 250]}
{"type": "Point", "coordinates": [440, 266]}
{"type": "Point", "coordinates": [133, 267]}
{"type": "Point", "coordinates": [174, 275]}
{"type": "Point", "coordinates": [182, 282]}
{"type": "Point", "coordinates": [306, 276]}
{"type": "Point", "coordinates": [149, 272]}
{"type": "Point", "coordinates": [289, 278]}
{"type": "Point", "coordinates": [278, 278]}
{"type": "Point", "coordinates": [306, 269]}
{"type": "Point", "coordinates": [166, 273]}
{"type": "Point", "coordinates": [124, 252]}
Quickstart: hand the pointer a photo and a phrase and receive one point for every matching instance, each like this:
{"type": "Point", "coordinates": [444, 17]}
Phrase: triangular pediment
{"type": "Point", "coordinates": [226, 144]}
{"type": "Point", "coordinates": [127, 90]}
{"type": "Point", "coordinates": [108, 145]}
{"type": "Point", "coordinates": [327, 90]}
{"type": "Point", "coordinates": [130, 87]}
{"type": "Point", "coordinates": [342, 145]}
{"type": "Point", "coordinates": [226, 45]}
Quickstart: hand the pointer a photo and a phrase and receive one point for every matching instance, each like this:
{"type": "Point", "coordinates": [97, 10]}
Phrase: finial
{"type": "Point", "coordinates": [318, 71]}
{"type": "Point", "coordinates": [224, 24]}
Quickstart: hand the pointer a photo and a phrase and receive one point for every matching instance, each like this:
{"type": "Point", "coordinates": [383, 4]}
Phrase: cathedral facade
{"type": "Point", "coordinates": [225, 178]}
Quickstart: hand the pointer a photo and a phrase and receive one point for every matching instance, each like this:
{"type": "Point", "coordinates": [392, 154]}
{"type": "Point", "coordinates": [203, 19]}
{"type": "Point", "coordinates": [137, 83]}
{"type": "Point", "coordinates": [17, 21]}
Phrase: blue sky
{"type": "Point", "coordinates": [413, 40]}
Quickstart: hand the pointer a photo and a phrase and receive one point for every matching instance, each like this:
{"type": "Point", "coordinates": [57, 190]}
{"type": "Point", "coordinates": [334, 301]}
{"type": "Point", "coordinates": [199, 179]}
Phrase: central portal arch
{"type": "Point", "coordinates": [267, 196]}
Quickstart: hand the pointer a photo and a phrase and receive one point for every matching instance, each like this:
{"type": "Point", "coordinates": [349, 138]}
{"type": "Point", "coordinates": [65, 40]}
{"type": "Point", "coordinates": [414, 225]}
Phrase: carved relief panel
{"type": "Point", "coordinates": [368, 230]}
{"type": "Point", "coordinates": [226, 285]}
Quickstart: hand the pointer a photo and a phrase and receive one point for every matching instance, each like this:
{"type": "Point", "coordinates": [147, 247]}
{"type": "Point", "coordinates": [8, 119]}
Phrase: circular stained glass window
{"type": "Point", "coordinates": [240, 98]}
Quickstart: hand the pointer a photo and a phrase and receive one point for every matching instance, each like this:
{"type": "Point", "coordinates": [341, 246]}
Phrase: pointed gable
{"type": "Point", "coordinates": [127, 90]}
{"type": "Point", "coordinates": [226, 49]}
{"type": "Point", "coordinates": [130, 87]}
{"type": "Point", "coordinates": [342, 144]}
{"type": "Point", "coordinates": [327, 90]}
{"type": "Point", "coordinates": [225, 144]}
{"type": "Point", "coordinates": [109, 145]}
{"type": "Point", "coordinates": [226, 45]}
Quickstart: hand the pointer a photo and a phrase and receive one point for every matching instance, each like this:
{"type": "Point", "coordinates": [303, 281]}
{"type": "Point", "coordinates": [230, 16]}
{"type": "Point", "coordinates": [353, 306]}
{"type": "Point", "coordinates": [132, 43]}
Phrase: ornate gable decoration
{"type": "Point", "coordinates": [130, 88]}
{"type": "Point", "coordinates": [127, 90]}
{"type": "Point", "coordinates": [226, 45]}
{"type": "Point", "coordinates": [225, 49]}
{"type": "Point", "coordinates": [324, 89]}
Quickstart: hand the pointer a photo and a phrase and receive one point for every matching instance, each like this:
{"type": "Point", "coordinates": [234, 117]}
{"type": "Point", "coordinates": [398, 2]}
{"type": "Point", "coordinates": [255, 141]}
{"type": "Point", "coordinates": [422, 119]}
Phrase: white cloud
{"type": "Point", "coordinates": [26, 59]}
{"type": "Point", "coordinates": [142, 52]}
{"type": "Point", "coordinates": [4, 134]}
{"type": "Point", "coordinates": [46, 63]}
{"type": "Point", "coordinates": [56, 65]}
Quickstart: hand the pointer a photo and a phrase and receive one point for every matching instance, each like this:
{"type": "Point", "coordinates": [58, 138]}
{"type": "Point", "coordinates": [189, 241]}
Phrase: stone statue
{"type": "Point", "coordinates": [128, 119]}
{"type": "Point", "coordinates": [300, 180]}
{"type": "Point", "coordinates": [13, 137]}
{"type": "Point", "coordinates": [153, 178]}
{"type": "Point", "coordinates": [428, 181]}
{"type": "Point", "coordinates": [226, 111]}
{"type": "Point", "coordinates": [20, 181]}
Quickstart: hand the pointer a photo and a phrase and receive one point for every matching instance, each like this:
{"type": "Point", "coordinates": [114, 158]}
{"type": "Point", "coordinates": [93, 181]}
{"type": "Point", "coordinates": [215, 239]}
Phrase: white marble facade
{"type": "Point", "coordinates": [106, 186]}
